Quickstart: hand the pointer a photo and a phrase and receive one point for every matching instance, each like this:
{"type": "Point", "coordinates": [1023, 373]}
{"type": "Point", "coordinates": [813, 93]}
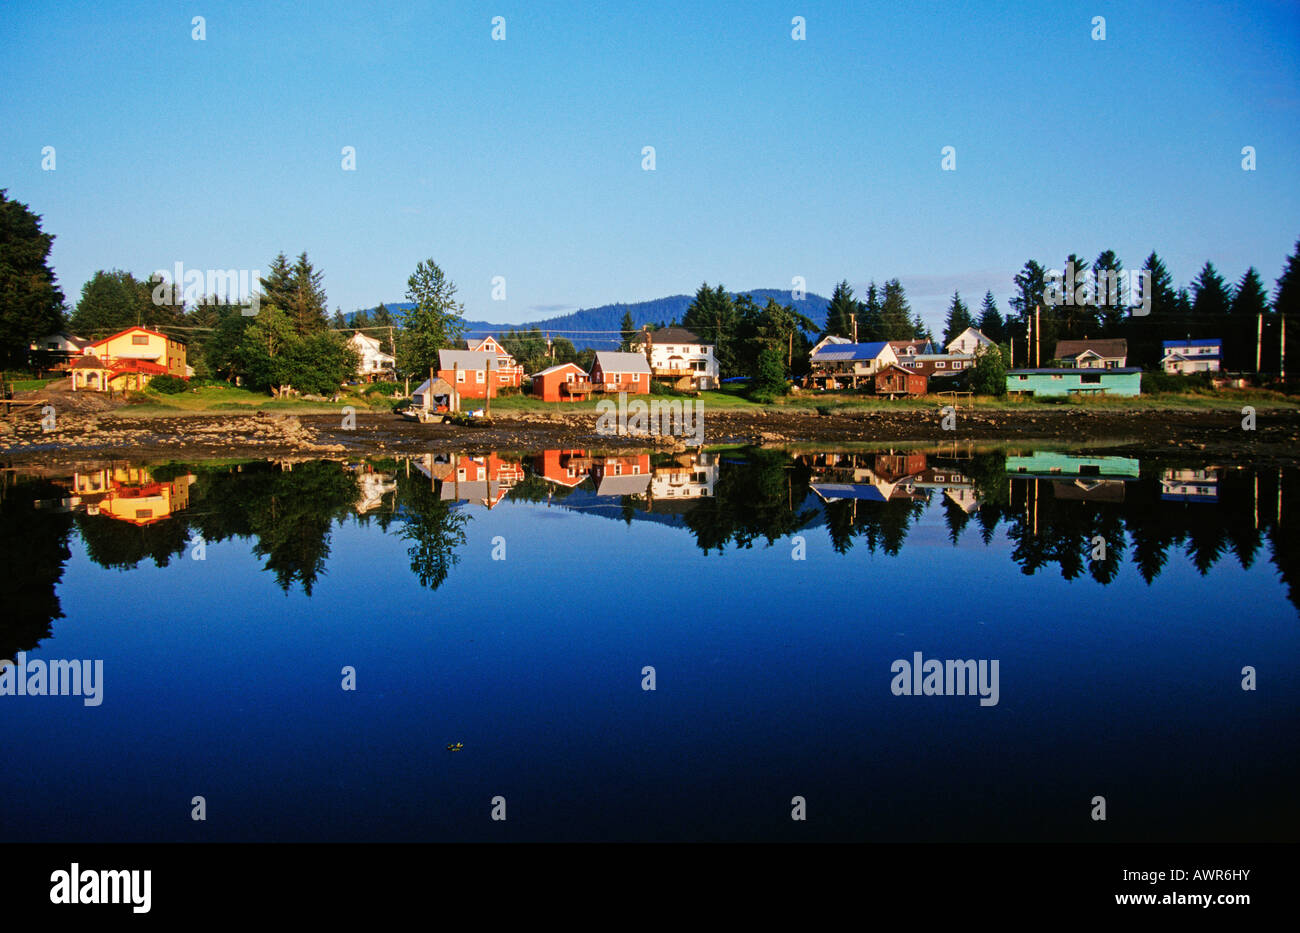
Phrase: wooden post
{"type": "Point", "coordinates": [1281, 352]}
{"type": "Point", "coordinates": [1259, 342]}
{"type": "Point", "coordinates": [487, 393]}
{"type": "Point", "coordinates": [1038, 339]}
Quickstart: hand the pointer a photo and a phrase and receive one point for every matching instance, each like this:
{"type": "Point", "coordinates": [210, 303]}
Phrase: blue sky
{"type": "Point", "coordinates": [774, 158]}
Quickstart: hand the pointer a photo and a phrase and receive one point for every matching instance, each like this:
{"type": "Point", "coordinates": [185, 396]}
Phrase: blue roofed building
{"type": "Point", "coordinates": [1204, 355]}
{"type": "Point", "coordinates": [848, 365]}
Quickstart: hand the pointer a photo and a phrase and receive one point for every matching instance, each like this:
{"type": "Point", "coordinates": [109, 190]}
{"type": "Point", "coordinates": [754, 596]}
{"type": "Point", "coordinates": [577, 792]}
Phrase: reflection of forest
{"type": "Point", "coordinates": [1051, 507]}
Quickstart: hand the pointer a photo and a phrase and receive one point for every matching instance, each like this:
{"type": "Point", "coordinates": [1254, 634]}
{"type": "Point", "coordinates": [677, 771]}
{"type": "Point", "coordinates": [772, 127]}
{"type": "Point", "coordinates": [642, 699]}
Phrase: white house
{"type": "Point", "coordinates": [968, 341]}
{"type": "Point", "coordinates": [1192, 356]}
{"type": "Point", "coordinates": [677, 354]}
{"type": "Point", "coordinates": [1093, 354]}
{"type": "Point", "coordinates": [375, 364]}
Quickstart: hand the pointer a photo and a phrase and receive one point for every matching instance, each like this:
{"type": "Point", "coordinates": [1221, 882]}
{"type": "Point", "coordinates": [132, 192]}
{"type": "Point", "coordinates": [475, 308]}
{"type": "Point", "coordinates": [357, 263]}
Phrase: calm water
{"type": "Point", "coordinates": [511, 601]}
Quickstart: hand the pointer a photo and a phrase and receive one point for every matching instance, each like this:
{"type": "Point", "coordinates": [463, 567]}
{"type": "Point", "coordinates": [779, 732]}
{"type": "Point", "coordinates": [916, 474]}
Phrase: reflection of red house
{"type": "Point", "coordinates": [566, 382]}
{"type": "Point", "coordinates": [895, 380]}
{"type": "Point", "coordinates": [627, 475]}
{"type": "Point", "coordinates": [894, 467]}
{"type": "Point", "coordinates": [483, 480]}
{"type": "Point", "coordinates": [565, 468]}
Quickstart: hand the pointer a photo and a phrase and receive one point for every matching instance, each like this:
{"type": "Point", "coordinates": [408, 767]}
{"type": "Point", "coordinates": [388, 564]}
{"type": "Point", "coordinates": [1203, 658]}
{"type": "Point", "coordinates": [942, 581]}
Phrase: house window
{"type": "Point", "coordinates": [460, 375]}
{"type": "Point", "coordinates": [939, 365]}
{"type": "Point", "coordinates": [478, 375]}
{"type": "Point", "coordinates": [956, 365]}
{"type": "Point", "coordinates": [1057, 377]}
{"type": "Point", "coordinates": [1090, 379]}
{"type": "Point", "coordinates": [140, 340]}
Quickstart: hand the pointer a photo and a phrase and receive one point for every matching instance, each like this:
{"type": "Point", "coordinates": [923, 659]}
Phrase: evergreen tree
{"type": "Point", "coordinates": [278, 285]}
{"type": "Point", "coordinates": [110, 302]}
{"type": "Point", "coordinates": [958, 319]}
{"type": "Point", "coordinates": [1077, 317]}
{"type": "Point", "coordinates": [628, 327]}
{"type": "Point", "coordinates": [435, 321]}
{"type": "Point", "coordinates": [338, 322]}
{"type": "Point", "coordinates": [1286, 303]}
{"type": "Point", "coordinates": [990, 323]}
{"type": "Point", "coordinates": [842, 312]}
{"type": "Point", "coordinates": [1245, 316]}
{"type": "Point", "coordinates": [1145, 332]}
{"type": "Point", "coordinates": [308, 308]}
{"type": "Point", "coordinates": [713, 318]}
{"type": "Point", "coordinates": [871, 328]}
{"type": "Point", "coordinates": [1111, 302]}
{"type": "Point", "coordinates": [895, 313]}
{"type": "Point", "coordinates": [381, 317]}
{"type": "Point", "coordinates": [31, 304]}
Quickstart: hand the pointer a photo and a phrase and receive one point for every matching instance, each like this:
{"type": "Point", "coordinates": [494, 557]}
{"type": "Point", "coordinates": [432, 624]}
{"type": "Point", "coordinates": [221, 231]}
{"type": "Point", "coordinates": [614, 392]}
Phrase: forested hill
{"type": "Point", "coordinates": [610, 317]}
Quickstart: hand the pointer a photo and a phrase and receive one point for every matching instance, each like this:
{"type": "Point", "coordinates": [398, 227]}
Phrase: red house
{"type": "Point", "coordinates": [470, 372]}
{"type": "Point", "coordinates": [567, 468]}
{"type": "Point", "coordinates": [621, 372]}
{"type": "Point", "coordinates": [896, 380]}
{"type": "Point", "coordinates": [563, 383]}
{"type": "Point", "coordinates": [509, 372]}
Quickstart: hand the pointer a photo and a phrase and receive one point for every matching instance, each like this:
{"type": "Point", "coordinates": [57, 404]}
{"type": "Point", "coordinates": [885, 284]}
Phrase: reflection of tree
{"type": "Point", "coordinates": [289, 510]}
{"type": "Point", "coordinates": [33, 549]}
{"type": "Point", "coordinates": [120, 545]}
{"type": "Point", "coordinates": [433, 527]}
{"type": "Point", "coordinates": [760, 497]}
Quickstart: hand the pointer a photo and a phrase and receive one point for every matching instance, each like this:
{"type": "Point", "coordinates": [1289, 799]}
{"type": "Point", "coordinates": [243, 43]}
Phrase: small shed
{"type": "Point", "coordinates": [438, 396]}
{"type": "Point", "coordinates": [895, 380]}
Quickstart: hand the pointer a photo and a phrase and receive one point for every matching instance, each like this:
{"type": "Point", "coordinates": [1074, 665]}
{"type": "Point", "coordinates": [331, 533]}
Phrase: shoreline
{"type": "Point", "coordinates": [1216, 434]}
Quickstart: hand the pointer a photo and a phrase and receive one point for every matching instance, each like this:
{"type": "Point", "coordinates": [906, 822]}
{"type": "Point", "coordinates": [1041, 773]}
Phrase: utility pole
{"type": "Point", "coordinates": [1038, 346]}
{"type": "Point", "coordinates": [1259, 342]}
{"type": "Point", "coordinates": [1281, 352]}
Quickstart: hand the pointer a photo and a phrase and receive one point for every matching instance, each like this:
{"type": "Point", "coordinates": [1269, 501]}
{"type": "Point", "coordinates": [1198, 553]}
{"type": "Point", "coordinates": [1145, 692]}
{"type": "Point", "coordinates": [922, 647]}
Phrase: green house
{"type": "Point", "coordinates": [1078, 382]}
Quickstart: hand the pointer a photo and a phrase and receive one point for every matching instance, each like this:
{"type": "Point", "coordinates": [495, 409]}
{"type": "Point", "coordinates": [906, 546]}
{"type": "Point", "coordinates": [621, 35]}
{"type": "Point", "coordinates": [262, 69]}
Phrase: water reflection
{"type": "Point", "coordinates": [1051, 506]}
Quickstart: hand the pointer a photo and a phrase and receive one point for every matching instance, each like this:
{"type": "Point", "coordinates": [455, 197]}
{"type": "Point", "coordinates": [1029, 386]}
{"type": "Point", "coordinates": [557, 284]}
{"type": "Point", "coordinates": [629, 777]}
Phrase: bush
{"type": "Point", "coordinates": [769, 379]}
{"type": "Point", "coordinates": [1156, 381]}
{"type": "Point", "coordinates": [168, 385]}
{"type": "Point", "coordinates": [383, 388]}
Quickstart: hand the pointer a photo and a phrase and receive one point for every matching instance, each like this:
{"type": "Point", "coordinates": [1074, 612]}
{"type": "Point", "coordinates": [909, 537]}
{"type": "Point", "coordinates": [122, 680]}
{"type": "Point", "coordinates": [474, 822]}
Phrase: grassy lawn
{"type": "Point", "coordinates": [224, 399]}
{"type": "Point", "coordinates": [27, 385]}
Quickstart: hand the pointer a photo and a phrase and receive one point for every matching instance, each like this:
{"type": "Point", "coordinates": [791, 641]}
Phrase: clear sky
{"type": "Point", "coordinates": [774, 158]}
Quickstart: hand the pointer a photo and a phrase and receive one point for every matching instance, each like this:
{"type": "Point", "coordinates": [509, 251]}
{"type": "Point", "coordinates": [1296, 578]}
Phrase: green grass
{"type": "Point", "coordinates": [223, 399]}
{"type": "Point", "coordinates": [27, 385]}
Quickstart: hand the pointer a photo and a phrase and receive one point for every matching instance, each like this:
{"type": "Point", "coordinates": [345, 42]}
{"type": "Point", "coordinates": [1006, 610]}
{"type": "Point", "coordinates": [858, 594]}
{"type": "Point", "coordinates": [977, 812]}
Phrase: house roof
{"type": "Point", "coordinates": [440, 387]}
{"type": "Point", "coordinates": [132, 330]}
{"type": "Point", "coordinates": [1108, 348]}
{"type": "Point", "coordinates": [629, 484]}
{"type": "Point", "coordinates": [979, 336]}
{"type": "Point", "coordinates": [902, 345]}
{"type": "Point", "coordinates": [839, 352]}
{"type": "Point", "coordinates": [90, 362]}
{"type": "Point", "coordinates": [1187, 344]}
{"type": "Point", "coordinates": [1061, 370]}
{"type": "Point", "coordinates": [559, 367]}
{"type": "Point", "coordinates": [466, 359]}
{"type": "Point", "coordinates": [611, 361]}
{"type": "Point", "coordinates": [668, 335]}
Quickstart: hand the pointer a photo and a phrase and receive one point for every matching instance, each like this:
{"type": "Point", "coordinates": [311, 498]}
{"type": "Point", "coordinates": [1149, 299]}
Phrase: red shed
{"type": "Point", "coordinates": [895, 380]}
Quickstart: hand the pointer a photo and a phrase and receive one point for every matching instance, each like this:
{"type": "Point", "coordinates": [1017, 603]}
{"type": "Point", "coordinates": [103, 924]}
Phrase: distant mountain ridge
{"type": "Point", "coordinates": [608, 317]}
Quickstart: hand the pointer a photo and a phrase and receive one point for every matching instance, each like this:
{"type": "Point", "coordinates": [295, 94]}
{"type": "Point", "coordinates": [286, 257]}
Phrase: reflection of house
{"type": "Point", "coordinates": [509, 372]}
{"type": "Point", "coordinates": [1192, 356]}
{"type": "Point", "coordinates": [374, 363]}
{"type": "Point", "coordinates": [1091, 380]}
{"type": "Point", "coordinates": [678, 356]}
{"type": "Point", "coordinates": [128, 361]}
{"type": "Point", "coordinates": [1190, 485]}
{"type": "Point", "coordinates": [483, 480]}
{"type": "Point", "coordinates": [566, 382]}
{"type": "Point", "coordinates": [621, 372]}
{"type": "Point", "coordinates": [1093, 354]}
{"type": "Point", "coordinates": [567, 468]}
{"type": "Point", "coordinates": [845, 365]}
{"type": "Point", "coordinates": [1049, 464]}
{"type": "Point", "coordinates": [130, 494]}
{"type": "Point", "coordinates": [687, 476]}
{"type": "Point", "coordinates": [864, 476]}
{"type": "Point", "coordinates": [372, 486]}
{"type": "Point", "coordinates": [626, 475]}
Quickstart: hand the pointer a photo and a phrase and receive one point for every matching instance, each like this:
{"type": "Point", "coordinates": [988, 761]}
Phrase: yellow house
{"type": "Point", "coordinates": [129, 360]}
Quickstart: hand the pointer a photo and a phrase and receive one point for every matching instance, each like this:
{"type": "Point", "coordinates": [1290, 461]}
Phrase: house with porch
{"type": "Point", "coordinates": [374, 363]}
{"type": "Point", "coordinates": [898, 380]}
{"type": "Point", "coordinates": [472, 373]}
{"type": "Point", "coordinates": [621, 372]}
{"type": "Point", "coordinates": [59, 351]}
{"type": "Point", "coordinates": [679, 357]}
{"type": "Point", "coordinates": [848, 365]}
{"type": "Point", "coordinates": [1093, 354]}
{"type": "Point", "coordinates": [566, 382]}
{"type": "Point", "coordinates": [128, 360]}
{"type": "Point", "coordinates": [1192, 356]}
{"type": "Point", "coordinates": [508, 372]}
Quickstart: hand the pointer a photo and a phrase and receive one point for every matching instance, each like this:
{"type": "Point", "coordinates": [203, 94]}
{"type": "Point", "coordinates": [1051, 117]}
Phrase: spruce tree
{"type": "Point", "coordinates": [958, 319]}
{"type": "Point", "coordinates": [1249, 310]}
{"type": "Point", "coordinates": [990, 323]}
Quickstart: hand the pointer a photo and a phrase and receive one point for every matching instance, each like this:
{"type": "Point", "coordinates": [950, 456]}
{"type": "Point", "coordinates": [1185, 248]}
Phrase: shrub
{"type": "Point", "coordinates": [383, 388]}
{"type": "Point", "coordinates": [168, 385]}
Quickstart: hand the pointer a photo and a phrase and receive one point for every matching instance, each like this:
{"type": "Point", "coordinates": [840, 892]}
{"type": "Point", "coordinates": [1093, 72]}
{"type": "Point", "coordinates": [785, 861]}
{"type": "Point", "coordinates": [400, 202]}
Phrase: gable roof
{"type": "Point", "coordinates": [1109, 348]}
{"type": "Point", "coordinates": [979, 337]}
{"type": "Point", "coordinates": [612, 361]}
{"type": "Point", "coordinates": [844, 352]}
{"type": "Point", "coordinates": [668, 335]}
{"type": "Point", "coordinates": [131, 330]}
{"type": "Point", "coordinates": [1187, 344]}
{"type": "Point", "coordinates": [559, 367]}
{"type": "Point", "coordinates": [466, 359]}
